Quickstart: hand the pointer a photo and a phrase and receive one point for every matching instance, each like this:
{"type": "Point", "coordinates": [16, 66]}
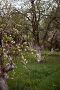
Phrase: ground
{"type": "Point", "coordinates": [36, 76]}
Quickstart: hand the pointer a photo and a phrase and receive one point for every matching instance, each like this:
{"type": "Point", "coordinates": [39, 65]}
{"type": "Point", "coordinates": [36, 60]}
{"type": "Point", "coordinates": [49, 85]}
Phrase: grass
{"type": "Point", "coordinates": [49, 52]}
{"type": "Point", "coordinates": [36, 76]}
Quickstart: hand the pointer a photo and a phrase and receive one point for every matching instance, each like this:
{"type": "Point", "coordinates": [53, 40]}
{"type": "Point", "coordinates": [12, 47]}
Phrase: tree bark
{"type": "Point", "coordinates": [38, 52]}
{"type": "Point", "coordinates": [52, 50]}
{"type": "Point", "coordinates": [3, 84]}
{"type": "Point", "coordinates": [37, 47]}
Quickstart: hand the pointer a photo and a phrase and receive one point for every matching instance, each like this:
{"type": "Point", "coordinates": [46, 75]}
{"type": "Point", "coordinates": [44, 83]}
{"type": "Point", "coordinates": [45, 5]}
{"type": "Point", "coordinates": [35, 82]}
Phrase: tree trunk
{"type": "Point", "coordinates": [3, 84]}
{"type": "Point", "coordinates": [38, 52]}
{"type": "Point", "coordinates": [52, 50]}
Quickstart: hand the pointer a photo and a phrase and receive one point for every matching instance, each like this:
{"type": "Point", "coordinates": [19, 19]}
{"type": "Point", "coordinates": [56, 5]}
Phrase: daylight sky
{"type": "Point", "coordinates": [19, 3]}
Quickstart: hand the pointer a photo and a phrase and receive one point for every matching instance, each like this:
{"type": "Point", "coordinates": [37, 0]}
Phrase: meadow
{"type": "Point", "coordinates": [35, 76]}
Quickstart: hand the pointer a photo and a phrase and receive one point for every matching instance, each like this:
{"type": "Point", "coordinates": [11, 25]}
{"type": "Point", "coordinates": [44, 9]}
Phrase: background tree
{"type": "Point", "coordinates": [39, 11]}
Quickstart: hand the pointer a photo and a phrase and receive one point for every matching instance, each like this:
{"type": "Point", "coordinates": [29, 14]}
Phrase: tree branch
{"type": "Point", "coordinates": [9, 68]}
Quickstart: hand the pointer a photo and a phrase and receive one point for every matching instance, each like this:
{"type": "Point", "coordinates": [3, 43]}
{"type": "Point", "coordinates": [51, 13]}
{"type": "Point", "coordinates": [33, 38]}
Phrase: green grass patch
{"type": "Point", "coordinates": [49, 52]}
{"type": "Point", "coordinates": [36, 76]}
